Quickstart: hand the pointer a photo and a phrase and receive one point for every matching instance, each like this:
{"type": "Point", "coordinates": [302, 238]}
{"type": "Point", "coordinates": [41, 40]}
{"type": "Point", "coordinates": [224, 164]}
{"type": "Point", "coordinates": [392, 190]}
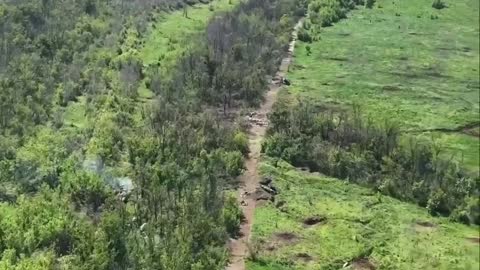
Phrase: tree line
{"type": "Point", "coordinates": [344, 145]}
{"type": "Point", "coordinates": [58, 212]}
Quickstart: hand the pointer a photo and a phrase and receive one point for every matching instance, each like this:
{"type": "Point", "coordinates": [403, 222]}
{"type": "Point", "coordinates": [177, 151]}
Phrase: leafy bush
{"type": "Point", "coordinates": [232, 216]}
{"type": "Point", "coordinates": [240, 141]}
{"type": "Point", "coordinates": [370, 3]}
{"type": "Point", "coordinates": [309, 50]}
{"type": "Point", "coordinates": [84, 188]}
{"type": "Point", "coordinates": [439, 4]}
{"type": "Point", "coordinates": [233, 163]}
{"type": "Point", "coordinates": [327, 12]}
{"type": "Point", "coordinates": [303, 35]}
{"type": "Point", "coordinates": [328, 16]}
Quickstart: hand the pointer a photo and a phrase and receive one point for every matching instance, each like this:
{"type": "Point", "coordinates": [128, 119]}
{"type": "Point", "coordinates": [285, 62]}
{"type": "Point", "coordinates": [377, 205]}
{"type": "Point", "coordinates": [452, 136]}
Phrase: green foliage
{"type": "Point", "coordinates": [438, 4]}
{"type": "Point", "coordinates": [240, 141]}
{"type": "Point", "coordinates": [229, 67]}
{"type": "Point", "coordinates": [40, 261]}
{"type": "Point", "coordinates": [370, 3]}
{"type": "Point", "coordinates": [411, 87]}
{"type": "Point", "coordinates": [326, 12]}
{"type": "Point", "coordinates": [46, 222]}
{"type": "Point", "coordinates": [347, 147]}
{"type": "Point", "coordinates": [356, 223]}
{"type": "Point", "coordinates": [233, 216]}
{"type": "Point", "coordinates": [233, 163]}
{"type": "Point", "coordinates": [309, 50]}
{"type": "Point", "coordinates": [110, 154]}
{"type": "Point", "coordinates": [107, 139]}
{"type": "Point", "coordinates": [84, 188]}
{"type": "Point", "coordinates": [304, 35]}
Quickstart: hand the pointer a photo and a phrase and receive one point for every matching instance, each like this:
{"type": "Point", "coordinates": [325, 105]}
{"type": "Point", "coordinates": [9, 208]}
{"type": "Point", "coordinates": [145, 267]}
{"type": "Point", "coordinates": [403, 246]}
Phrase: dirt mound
{"type": "Point", "coordinates": [473, 131]}
{"type": "Point", "coordinates": [424, 226]}
{"type": "Point", "coordinates": [262, 195]}
{"type": "Point", "coordinates": [280, 240]}
{"type": "Point", "coordinates": [304, 257]}
{"type": "Point", "coordinates": [266, 191]}
{"type": "Point", "coordinates": [475, 240]}
{"type": "Point", "coordinates": [392, 87]}
{"type": "Point", "coordinates": [314, 220]}
{"type": "Point", "coordinates": [267, 180]}
{"type": "Point", "coordinates": [286, 237]}
{"type": "Point", "coordinates": [363, 264]}
{"type": "Point", "coordinates": [337, 58]}
{"type": "Point", "coordinates": [280, 204]}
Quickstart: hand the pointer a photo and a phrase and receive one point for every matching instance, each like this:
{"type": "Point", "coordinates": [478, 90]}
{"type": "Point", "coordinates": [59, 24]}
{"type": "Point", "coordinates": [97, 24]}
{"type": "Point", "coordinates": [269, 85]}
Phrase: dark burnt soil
{"type": "Point", "coordinates": [286, 237]}
{"type": "Point", "coordinates": [304, 257]}
{"type": "Point", "coordinates": [363, 264]}
{"type": "Point", "coordinates": [311, 221]}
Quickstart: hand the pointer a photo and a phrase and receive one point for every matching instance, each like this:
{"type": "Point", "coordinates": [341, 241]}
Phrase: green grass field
{"type": "Point", "coordinates": [356, 228]}
{"type": "Point", "coordinates": [400, 62]}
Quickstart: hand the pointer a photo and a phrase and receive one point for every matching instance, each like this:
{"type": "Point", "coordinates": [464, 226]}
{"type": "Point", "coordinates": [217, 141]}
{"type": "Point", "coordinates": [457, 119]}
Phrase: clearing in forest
{"type": "Point", "coordinates": [402, 61]}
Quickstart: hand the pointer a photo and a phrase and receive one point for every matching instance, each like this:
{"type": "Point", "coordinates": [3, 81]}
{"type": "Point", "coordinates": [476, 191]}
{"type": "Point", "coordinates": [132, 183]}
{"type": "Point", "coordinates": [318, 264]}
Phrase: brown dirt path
{"type": "Point", "coordinates": [250, 178]}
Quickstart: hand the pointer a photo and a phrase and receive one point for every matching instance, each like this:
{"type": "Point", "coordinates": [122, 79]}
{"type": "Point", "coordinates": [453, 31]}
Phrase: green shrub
{"type": "Point", "coordinates": [328, 16]}
{"type": "Point", "coordinates": [370, 3]}
{"type": "Point", "coordinates": [85, 189]}
{"type": "Point", "coordinates": [240, 142]}
{"type": "Point", "coordinates": [439, 4]}
{"type": "Point", "coordinates": [309, 50]}
{"type": "Point", "coordinates": [327, 12]}
{"type": "Point", "coordinates": [232, 216]}
{"type": "Point", "coordinates": [233, 163]}
{"type": "Point", "coordinates": [304, 36]}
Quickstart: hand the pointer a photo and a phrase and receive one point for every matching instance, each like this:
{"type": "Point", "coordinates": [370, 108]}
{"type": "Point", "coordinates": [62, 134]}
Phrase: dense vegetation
{"type": "Point", "coordinates": [348, 147]}
{"type": "Point", "coordinates": [95, 176]}
{"type": "Point", "coordinates": [236, 54]}
{"type": "Point", "coordinates": [117, 149]}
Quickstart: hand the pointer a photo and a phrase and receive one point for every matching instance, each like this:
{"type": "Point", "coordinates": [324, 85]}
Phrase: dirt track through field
{"type": "Point", "coordinates": [250, 178]}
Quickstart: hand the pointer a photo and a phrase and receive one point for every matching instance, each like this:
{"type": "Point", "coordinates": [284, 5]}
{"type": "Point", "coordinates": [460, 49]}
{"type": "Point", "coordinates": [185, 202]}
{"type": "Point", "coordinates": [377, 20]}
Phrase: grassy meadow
{"type": "Point", "coordinates": [401, 61]}
{"type": "Point", "coordinates": [323, 223]}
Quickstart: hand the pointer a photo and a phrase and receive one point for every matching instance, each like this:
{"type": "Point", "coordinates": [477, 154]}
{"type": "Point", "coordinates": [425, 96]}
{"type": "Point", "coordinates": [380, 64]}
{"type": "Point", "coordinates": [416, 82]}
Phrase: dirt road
{"type": "Point", "coordinates": [250, 179]}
